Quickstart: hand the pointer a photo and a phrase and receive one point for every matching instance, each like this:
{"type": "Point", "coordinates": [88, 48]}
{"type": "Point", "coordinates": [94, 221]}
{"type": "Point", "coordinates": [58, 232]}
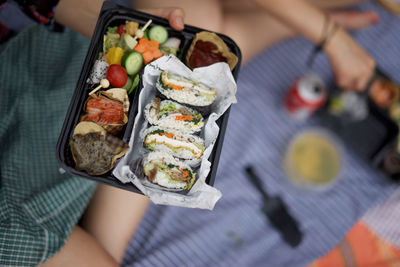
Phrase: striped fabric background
{"type": "Point", "coordinates": [384, 219]}
{"type": "Point", "coordinates": [236, 232]}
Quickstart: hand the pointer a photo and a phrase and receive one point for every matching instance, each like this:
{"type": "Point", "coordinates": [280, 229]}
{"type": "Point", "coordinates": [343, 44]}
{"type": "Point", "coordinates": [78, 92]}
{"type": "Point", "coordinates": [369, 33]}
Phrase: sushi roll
{"type": "Point", "coordinates": [172, 115]}
{"type": "Point", "coordinates": [185, 91]}
{"type": "Point", "coordinates": [162, 169]}
{"type": "Point", "coordinates": [184, 146]}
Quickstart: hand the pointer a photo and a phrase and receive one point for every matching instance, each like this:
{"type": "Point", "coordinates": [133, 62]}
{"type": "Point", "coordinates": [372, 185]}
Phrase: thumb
{"type": "Point", "coordinates": [175, 15]}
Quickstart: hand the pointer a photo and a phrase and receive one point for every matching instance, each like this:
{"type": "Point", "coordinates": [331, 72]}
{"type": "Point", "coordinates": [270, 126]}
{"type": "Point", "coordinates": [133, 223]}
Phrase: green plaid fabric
{"type": "Point", "coordinates": [38, 205]}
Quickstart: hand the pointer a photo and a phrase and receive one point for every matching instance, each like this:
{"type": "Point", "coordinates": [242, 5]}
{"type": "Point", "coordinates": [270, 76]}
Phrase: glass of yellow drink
{"type": "Point", "coordinates": [313, 159]}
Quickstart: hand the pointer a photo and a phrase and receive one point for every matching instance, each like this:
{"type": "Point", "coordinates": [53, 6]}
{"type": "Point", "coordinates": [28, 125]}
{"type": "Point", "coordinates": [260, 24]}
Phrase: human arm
{"type": "Point", "coordinates": [108, 225]}
{"type": "Point", "coordinates": [112, 217]}
{"type": "Point", "coordinates": [81, 249]}
{"type": "Point", "coordinates": [112, 214]}
{"type": "Point", "coordinates": [81, 15]}
{"type": "Point", "coordinates": [351, 64]}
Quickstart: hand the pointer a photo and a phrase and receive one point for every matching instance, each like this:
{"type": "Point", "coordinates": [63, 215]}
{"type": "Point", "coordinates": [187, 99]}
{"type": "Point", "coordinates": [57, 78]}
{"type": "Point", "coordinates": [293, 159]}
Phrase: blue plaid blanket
{"type": "Point", "coordinates": [236, 233]}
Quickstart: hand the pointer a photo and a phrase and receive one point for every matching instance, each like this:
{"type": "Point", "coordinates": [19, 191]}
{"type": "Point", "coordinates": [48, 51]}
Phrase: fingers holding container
{"type": "Point", "coordinates": [175, 15]}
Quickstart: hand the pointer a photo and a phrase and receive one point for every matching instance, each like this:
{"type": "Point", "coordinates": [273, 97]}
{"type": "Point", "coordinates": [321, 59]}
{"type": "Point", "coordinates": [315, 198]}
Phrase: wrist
{"type": "Point", "coordinates": [330, 28]}
{"type": "Point", "coordinates": [334, 41]}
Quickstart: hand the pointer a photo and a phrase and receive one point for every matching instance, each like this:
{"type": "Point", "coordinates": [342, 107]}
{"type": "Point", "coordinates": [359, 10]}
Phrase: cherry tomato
{"type": "Point", "coordinates": [121, 29]}
{"type": "Point", "coordinates": [117, 75]}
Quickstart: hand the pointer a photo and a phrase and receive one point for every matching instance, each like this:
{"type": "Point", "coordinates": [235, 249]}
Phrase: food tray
{"type": "Point", "coordinates": [372, 137]}
{"type": "Point", "coordinates": [112, 15]}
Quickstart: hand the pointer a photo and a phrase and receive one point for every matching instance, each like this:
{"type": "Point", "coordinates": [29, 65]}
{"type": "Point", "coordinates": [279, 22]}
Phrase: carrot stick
{"type": "Point", "coordinates": [184, 118]}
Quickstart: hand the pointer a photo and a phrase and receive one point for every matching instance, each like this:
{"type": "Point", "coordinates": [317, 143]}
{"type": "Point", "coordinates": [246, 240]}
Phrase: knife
{"type": "Point", "coordinates": [276, 212]}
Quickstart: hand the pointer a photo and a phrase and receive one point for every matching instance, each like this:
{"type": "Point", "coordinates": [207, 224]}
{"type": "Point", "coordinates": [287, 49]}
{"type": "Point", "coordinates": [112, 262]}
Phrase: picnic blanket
{"type": "Point", "coordinates": [38, 205]}
{"type": "Point", "coordinates": [236, 233]}
{"type": "Point", "coordinates": [372, 241]}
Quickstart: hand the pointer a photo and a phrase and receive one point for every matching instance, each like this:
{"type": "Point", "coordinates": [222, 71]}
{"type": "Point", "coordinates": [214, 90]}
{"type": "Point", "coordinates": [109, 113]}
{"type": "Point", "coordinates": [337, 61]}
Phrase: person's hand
{"type": "Point", "coordinates": [351, 64]}
{"type": "Point", "coordinates": [81, 15]}
{"type": "Point", "coordinates": [175, 16]}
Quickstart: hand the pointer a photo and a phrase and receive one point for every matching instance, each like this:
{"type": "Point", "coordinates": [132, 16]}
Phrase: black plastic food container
{"type": "Point", "coordinates": [114, 15]}
{"type": "Point", "coordinates": [370, 138]}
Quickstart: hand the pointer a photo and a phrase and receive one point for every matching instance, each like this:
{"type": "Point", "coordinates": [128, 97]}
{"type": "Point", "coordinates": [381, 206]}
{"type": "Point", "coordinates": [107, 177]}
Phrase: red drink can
{"type": "Point", "coordinates": [307, 94]}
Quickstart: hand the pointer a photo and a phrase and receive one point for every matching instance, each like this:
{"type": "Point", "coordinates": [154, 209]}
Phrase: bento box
{"type": "Point", "coordinates": [366, 122]}
{"type": "Point", "coordinates": [113, 15]}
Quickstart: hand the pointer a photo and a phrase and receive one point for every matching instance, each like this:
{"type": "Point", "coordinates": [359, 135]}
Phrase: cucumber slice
{"type": "Point", "coordinates": [159, 34]}
{"type": "Point", "coordinates": [132, 61]}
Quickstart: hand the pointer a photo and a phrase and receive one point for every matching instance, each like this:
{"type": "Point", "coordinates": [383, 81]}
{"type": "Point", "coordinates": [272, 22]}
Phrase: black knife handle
{"type": "Point", "coordinates": [256, 181]}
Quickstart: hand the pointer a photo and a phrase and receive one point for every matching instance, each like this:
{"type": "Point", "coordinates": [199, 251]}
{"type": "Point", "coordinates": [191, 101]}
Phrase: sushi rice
{"type": "Point", "coordinates": [163, 169]}
{"type": "Point", "coordinates": [185, 91]}
{"type": "Point", "coordinates": [172, 115]}
{"type": "Point", "coordinates": [184, 146]}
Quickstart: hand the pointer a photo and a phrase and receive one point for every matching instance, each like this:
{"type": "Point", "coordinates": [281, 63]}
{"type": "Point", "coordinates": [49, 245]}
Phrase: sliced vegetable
{"type": "Point", "coordinates": [184, 172]}
{"type": "Point", "coordinates": [158, 33]}
{"type": "Point", "coordinates": [117, 75]}
{"type": "Point", "coordinates": [128, 84]}
{"type": "Point", "coordinates": [142, 45]}
{"type": "Point", "coordinates": [127, 42]}
{"type": "Point", "coordinates": [169, 135]}
{"type": "Point", "coordinates": [184, 118]}
{"type": "Point", "coordinates": [111, 39]}
{"type": "Point", "coordinates": [147, 56]}
{"type": "Point", "coordinates": [149, 50]}
{"type": "Point", "coordinates": [176, 87]}
{"type": "Point", "coordinates": [134, 83]}
{"type": "Point", "coordinates": [132, 61]}
{"type": "Point", "coordinates": [114, 55]}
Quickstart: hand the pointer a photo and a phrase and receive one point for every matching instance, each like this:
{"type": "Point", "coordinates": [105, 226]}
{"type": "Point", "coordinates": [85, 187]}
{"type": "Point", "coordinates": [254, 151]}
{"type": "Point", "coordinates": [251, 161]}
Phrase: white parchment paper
{"type": "Point", "coordinates": [129, 168]}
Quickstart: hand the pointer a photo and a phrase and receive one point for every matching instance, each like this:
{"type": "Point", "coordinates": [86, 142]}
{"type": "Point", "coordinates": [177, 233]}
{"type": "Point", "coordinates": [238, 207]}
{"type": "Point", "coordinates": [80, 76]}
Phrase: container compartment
{"type": "Point", "coordinates": [113, 15]}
